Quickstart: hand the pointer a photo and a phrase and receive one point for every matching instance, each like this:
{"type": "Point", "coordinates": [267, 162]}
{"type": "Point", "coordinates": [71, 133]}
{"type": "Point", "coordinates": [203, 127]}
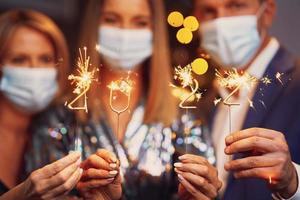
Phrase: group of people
{"type": "Point", "coordinates": [142, 154]}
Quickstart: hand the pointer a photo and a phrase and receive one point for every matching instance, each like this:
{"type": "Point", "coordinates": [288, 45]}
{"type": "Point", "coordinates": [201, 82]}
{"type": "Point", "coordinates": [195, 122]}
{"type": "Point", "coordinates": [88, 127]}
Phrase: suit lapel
{"type": "Point", "coordinates": [266, 95]}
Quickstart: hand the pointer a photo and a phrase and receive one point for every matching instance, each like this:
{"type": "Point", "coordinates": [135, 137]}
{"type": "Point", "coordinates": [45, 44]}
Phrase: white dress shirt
{"type": "Point", "coordinates": [220, 128]}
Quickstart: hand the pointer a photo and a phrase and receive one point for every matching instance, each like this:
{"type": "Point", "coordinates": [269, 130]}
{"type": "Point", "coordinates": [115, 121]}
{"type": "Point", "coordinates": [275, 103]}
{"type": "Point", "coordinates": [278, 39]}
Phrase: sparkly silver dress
{"type": "Point", "coordinates": [147, 153]}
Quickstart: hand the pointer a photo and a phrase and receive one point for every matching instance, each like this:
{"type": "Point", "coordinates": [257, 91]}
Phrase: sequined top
{"type": "Point", "coordinates": [147, 153]}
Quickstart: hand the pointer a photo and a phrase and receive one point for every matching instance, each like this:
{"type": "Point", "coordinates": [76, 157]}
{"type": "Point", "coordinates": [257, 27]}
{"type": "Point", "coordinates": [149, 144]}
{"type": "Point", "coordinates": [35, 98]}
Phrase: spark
{"type": "Point", "coordinates": [217, 101]}
{"type": "Point", "coordinates": [184, 76]}
{"type": "Point", "coordinates": [82, 81]}
{"type": "Point", "coordinates": [266, 80]}
{"type": "Point", "coordinates": [270, 180]}
{"type": "Point", "coordinates": [124, 86]}
{"type": "Point", "coordinates": [235, 81]}
{"type": "Point", "coordinates": [279, 77]}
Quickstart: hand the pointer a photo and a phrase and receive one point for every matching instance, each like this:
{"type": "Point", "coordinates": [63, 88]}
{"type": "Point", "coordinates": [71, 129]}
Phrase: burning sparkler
{"type": "Point", "coordinates": [125, 87]}
{"type": "Point", "coordinates": [83, 83]}
{"type": "Point", "coordinates": [185, 76]}
{"type": "Point", "coordinates": [234, 81]}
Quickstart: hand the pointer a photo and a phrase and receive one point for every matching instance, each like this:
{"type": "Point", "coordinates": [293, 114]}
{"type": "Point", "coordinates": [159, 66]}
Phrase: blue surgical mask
{"type": "Point", "coordinates": [232, 41]}
{"type": "Point", "coordinates": [124, 49]}
{"type": "Point", "coordinates": [29, 89]}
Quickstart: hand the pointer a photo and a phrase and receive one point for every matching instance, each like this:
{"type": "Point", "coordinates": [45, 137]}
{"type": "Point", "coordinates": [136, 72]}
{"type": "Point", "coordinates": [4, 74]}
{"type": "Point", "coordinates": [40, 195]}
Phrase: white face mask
{"type": "Point", "coordinates": [30, 89]}
{"type": "Point", "coordinates": [124, 49]}
{"type": "Point", "coordinates": [232, 41]}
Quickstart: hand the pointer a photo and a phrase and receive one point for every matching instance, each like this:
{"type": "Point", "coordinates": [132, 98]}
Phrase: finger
{"type": "Point", "coordinates": [201, 183]}
{"type": "Point", "coordinates": [197, 169]}
{"type": "Point", "coordinates": [191, 189]}
{"type": "Point", "coordinates": [98, 174]}
{"type": "Point", "coordinates": [97, 162]}
{"type": "Point", "coordinates": [94, 183]}
{"type": "Point", "coordinates": [59, 165]}
{"type": "Point", "coordinates": [250, 163]}
{"type": "Point", "coordinates": [107, 155]}
{"type": "Point", "coordinates": [259, 132]}
{"type": "Point", "coordinates": [64, 188]}
{"type": "Point", "coordinates": [189, 158]}
{"type": "Point", "coordinates": [252, 143]}
{"type": "Point", "coordinates": [263, 173]}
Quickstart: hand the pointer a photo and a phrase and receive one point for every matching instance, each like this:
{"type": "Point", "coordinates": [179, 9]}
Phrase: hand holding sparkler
{"type": "Point", "coordinates": [269, 159]}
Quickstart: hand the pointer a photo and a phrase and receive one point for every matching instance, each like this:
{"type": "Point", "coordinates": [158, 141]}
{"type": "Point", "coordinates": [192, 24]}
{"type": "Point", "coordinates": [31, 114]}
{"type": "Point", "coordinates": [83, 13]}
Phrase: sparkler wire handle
{"type": "Point", "coordinates": [194, 90]}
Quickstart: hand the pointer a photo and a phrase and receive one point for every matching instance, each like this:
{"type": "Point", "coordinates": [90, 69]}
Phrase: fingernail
{"type": "Point", "coordinates": [113, 173]}
{"type": "Point", "coordinates": [180, 177]}
{"type": "Point", "coordinates": [110, 179]}
{"type": "Point", "coordinates": [226, 166]}
{"type": "Point", "coordinates": [78, 162]}
{"type": "Point", "coordinates": [80, 171]}
{"type": "Point", "coordinates": [226, 150]}
{"type": "Point", "coordinates": [178, 164]}
{"type": "Point", "coordinates": [113, 165]}
{"type": "Point", "coordinates": [181, 157]}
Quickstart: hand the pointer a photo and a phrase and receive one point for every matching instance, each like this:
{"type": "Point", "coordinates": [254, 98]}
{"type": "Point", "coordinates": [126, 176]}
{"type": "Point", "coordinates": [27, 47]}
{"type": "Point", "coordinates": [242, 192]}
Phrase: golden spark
{"type": "Point", "coordinates": [184, 76]}
{"type": "Point", "coordinates": [234, 81]}
{"type": "Point", "coordinates": [125, 87]}
{"type": "Point", "coordinates": [82, 81]}
{"type": "Point", "coordinates": [266, 80]}
{"type": "Point", "coordinates": [217, 101]}
{"type": "Point", "coordinates": [279, 77]}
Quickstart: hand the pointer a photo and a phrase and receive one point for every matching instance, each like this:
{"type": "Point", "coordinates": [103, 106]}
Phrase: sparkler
{"type": "Point", "coordinates": [234, 81]}
{"type": "Point", "coordinates": [82, 83]}
{"type": "Point", "coordinates": [124, 86]}
{"type": "Point", "coordinates": [186, 79]}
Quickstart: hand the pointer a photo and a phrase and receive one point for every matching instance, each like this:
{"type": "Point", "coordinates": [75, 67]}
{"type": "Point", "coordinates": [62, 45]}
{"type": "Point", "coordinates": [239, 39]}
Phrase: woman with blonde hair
{"type": "Point", "coordinates": [132, 44]}
{"type": "Point", "coordinates": [30, 47]}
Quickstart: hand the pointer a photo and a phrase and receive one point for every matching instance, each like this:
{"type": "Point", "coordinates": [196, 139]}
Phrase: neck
{"type": "Point", "coordinates": [265, 42]}
{"type": "Point", "coordinates": [12, 120]}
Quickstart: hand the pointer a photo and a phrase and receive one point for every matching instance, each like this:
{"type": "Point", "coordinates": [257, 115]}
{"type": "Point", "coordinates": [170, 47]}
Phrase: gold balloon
{"type": "Point", "coordinates": [199, 66]}
{"type": "Point", "coordinates": [184, 36]}
{"type": "Point", "coordinates": [175, 19]}
{"type": "Point", "coordinates": [191, 23]}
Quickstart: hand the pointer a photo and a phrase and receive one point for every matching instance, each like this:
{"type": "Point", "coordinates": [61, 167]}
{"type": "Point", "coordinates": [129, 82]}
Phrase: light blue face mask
{"type": "Point", "coordinates": [232, 41]}
{"type": "Point", "coordinates": [30, 89]}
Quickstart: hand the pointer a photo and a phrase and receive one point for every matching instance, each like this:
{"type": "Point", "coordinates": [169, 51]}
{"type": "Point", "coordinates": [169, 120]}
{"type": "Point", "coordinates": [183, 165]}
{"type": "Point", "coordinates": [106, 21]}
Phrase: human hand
{"type": "Point", "coordinates": [268, 158]}
{"type": "Point", "coordinates": [198, 178]}
{"type": "Point", "coordinates": [101, 178]}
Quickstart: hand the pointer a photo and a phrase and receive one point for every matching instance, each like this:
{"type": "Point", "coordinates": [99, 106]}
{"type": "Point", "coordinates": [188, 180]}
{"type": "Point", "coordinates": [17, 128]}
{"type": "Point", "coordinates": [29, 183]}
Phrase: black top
{"type": "Point", "coordinates": [3, 188]}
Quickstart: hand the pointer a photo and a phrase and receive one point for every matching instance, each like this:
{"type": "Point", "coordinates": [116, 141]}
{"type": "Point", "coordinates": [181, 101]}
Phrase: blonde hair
{"type": "Point", "coordinates": [10, 21]}
{"type": "Point", "coordinates": [160, 104]}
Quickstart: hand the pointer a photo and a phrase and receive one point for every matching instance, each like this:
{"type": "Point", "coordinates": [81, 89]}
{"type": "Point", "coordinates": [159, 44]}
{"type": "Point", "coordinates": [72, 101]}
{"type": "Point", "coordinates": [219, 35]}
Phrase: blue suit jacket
{"type": "Point", "coordinates": [281, 112]}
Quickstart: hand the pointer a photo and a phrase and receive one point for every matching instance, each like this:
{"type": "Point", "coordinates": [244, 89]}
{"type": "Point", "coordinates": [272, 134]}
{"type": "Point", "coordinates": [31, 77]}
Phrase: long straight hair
{"type": "Point", "coordinates": [160, 104]}
{"type": "Point", "coordinates": [10, 21]}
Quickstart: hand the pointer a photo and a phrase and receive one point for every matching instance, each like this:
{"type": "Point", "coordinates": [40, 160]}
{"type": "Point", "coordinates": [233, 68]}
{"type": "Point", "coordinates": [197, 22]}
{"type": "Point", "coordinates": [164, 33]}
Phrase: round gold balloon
{"type": "Point", "coordinates": [184, 36]}
{"type": "Point", "coordinates": [199, 66]}
{"type": "Point", "coordinates": [175, 19]}
{"type": "Point", "coordinates": [191, 23]}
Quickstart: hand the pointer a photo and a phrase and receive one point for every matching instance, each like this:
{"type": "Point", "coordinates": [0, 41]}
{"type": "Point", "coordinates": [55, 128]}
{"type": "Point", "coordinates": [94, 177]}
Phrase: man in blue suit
{"type": "Point", "coordinates": [260, 156]}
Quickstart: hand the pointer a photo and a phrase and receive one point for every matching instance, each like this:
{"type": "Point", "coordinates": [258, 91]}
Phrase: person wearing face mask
{"type": "Point", "coordinates": [258, 160]}
{"type": "Point", "coordinates": [30, 45]}
{"type": "Point", "coordinates": [131, 40]}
